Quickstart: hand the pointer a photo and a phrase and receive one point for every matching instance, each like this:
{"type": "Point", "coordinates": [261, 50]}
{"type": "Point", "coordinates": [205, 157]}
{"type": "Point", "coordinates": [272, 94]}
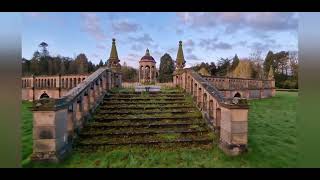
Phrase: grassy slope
{"type": "Point", "coordinates": [272, 143]}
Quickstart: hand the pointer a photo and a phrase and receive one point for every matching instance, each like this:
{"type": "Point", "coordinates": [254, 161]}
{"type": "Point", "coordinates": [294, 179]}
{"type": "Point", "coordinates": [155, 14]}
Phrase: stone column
{"type": "Point", "coordinates": [150, 75]}
{"type": "Point", "coordinates": [144, 74]}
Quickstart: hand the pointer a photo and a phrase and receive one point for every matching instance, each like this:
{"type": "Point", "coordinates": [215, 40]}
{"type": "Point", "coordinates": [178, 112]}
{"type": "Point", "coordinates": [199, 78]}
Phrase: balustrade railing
{"type": "Point", "coordinates": [63, 118]}
{"type": "Point", "coordinates": [228, 115]}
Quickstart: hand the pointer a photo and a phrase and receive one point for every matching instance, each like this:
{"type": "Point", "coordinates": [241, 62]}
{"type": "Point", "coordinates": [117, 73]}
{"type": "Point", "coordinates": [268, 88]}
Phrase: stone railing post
{"type": "Point", "coordinates": [50, 133]}
{"type": "Point", "coordinates": [234, 129]}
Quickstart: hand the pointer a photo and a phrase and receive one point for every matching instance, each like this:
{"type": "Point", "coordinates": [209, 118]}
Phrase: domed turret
{"type": "Point", "coordinates": [147, 57]}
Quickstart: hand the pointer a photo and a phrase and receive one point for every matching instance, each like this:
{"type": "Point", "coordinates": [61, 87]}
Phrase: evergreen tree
{"type": "Point", "coordinates": [100, 63]}
{"type": "Point", "coordinates": [81, 62]}
{"type": "Point", "coordinates": [166, 68]}
{"type": "Point", "coordinates": [235, 62]}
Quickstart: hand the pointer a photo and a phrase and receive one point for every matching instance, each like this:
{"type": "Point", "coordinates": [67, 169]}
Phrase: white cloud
{"type": "Point", "coordinates": [93, 26]}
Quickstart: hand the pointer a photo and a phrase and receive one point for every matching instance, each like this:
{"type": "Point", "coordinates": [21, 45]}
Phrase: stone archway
{"type": "Point", "coordinates": [237, 95]}
{"type": "Point", "coordinates": [44, 95]}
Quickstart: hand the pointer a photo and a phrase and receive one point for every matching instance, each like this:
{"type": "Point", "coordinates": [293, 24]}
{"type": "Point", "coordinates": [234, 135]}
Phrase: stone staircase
{"type": "Point", "coordinates": [166, 118]}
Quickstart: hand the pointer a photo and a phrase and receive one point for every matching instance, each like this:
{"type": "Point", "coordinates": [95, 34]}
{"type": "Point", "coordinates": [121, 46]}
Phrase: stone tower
{"type": "Point", "coordinates": [180, 62]}
{"type": "Point", "coordinates": [147, 69]}
{"type": "Point", "coordinates": [114, 61]}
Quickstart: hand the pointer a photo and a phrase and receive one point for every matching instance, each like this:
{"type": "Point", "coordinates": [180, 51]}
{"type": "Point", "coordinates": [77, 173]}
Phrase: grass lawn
{"type": "Point", "coordinates": [26, 131]}
{"type": "Point", "coordinates": [272, 143]}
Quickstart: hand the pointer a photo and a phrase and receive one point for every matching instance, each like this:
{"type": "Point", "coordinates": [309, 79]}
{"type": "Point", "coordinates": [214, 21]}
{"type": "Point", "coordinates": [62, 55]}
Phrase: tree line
{"type": "Point", "coordinates": [42, 63]}
{"type": "Point", "coordinates": [284, 64]}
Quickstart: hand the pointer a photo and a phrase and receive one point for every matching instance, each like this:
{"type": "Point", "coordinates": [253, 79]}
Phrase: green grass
{"type": "Point", "coordinates": [26, 131]}
{"type": "Point", "coordinates": [272, 143]}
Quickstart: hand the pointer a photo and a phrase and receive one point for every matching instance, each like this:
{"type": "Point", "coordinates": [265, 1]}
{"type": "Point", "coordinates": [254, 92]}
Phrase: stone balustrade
{"type": "Point", "coordinates": [247, 88]}
{"type": "Point", "coordinates": [227, 116]}
{"type": "Point", "coordinates": [56, 122]}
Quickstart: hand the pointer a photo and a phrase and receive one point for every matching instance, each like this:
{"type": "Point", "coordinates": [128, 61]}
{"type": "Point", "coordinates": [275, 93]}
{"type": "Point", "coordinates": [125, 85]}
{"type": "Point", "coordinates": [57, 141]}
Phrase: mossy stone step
{"type": "Point", "coordinates": [140, 132]}
{"type": "Point", "coordinates": [145, 103]}
{"type": "Point", "coordinates": [157, 143]}
{"type": "Point", "coordinates": [101, 125]}
{"type": "Point", "coordinates": [148, 95]}
{"type": "Point", "coordinates": [143, 99]}
{"type": "Point", "coordinates": [102, 118]}
{"type": "Point", "coordinates": [157, 93]}
{"type": "Point", "coordinates": [144, 112]}
{"type": "Point", "coordinates": [146, 140]}
{"type": "Point", "coordinates": [145, 122]}
{"type": "Point", "coordinates": [135, 107]}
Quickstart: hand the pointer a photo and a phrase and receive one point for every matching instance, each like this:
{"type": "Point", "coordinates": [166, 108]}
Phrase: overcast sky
{"type": "Point", "coordinates": [205, 36]}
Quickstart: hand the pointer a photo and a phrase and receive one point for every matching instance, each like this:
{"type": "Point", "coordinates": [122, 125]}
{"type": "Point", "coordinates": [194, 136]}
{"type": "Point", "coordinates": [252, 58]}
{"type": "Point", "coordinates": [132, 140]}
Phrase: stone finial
{"type": "Point", "coordinates": [113, 61]}
{"type": "Point", "coordinates": [180, 62]}
{"type": "Point", "coordinates": [113, 53]}
{"type": "Point", "coordinates": [147, 52]}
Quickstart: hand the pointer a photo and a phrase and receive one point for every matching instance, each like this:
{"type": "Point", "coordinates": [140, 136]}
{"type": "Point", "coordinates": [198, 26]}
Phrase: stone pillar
{"type": "Point", "coordinates": [104, 81]}
{"type": "Point", "coordinates": [234, 129]}
{"type": "Point", "coordinates": [50, 135]}
{"type": "Point", "coordinates": [71, 119]}
{"type": "Point", "coordinates": [139, 74]}
{"type": "Point", "coordinates": [86, 103]}
{"type": "Point", "coordinates": [96, 90]}
{"type": "Point", "coordinates": [109, 83]}
{"type": "Point", "coordinates": [150, 75]}
{"type": "Point", "coordinates": [79, 114]}
{"type": "Point", "coordinates": [92, 96]}
{"type": "Point", "coordinates": [101, 86]}
{"type": "Point", "coordinates": [144, 75]}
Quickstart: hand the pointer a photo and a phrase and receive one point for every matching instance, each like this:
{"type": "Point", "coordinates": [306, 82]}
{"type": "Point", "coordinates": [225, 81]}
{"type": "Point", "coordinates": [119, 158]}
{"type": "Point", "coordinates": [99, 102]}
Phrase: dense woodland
{"type": "Point", "coordinates": [284, 65]}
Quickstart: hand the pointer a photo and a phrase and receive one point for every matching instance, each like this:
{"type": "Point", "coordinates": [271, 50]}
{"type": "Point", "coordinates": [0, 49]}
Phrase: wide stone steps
{"type": "Point", "coordinates": [156, 118]}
